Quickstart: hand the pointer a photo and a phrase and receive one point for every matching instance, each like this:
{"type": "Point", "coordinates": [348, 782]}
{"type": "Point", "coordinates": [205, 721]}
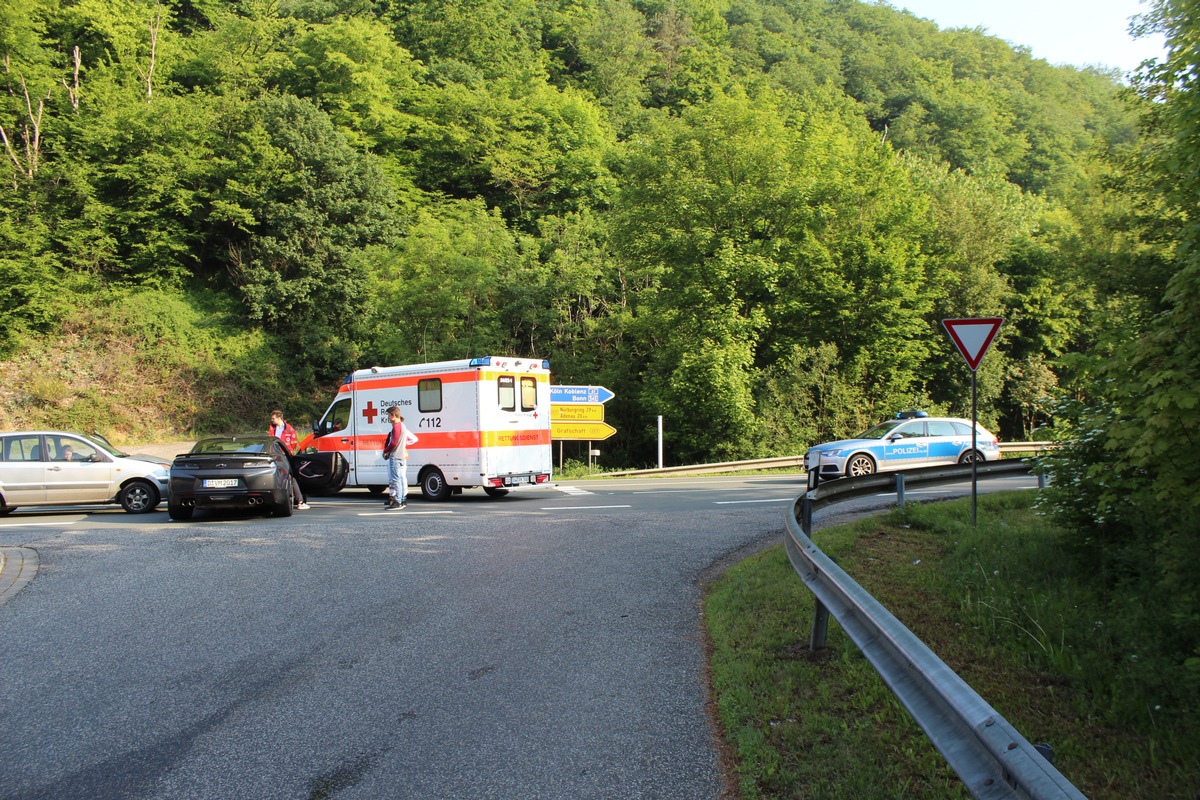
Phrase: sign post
{"type": "Point", "coordinates": [577, 414]}
{"type": "Point", "coordinates": [973, 337]}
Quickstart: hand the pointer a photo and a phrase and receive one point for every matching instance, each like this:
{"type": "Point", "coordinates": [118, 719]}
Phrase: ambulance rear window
{"type": "Point", "coordinates": [429, 395]}
{"type": "Point", "coordinates": [507, 390]}
{"type": "Point", "coordinates": [528, 393]}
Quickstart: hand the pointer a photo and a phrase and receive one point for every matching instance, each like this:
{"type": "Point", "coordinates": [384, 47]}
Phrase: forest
{"type": "Point", "coordinates": [746, 216]}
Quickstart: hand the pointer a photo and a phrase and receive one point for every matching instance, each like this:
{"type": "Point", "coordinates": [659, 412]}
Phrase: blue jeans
{"type": "Point", "coordinates": [398, 478]}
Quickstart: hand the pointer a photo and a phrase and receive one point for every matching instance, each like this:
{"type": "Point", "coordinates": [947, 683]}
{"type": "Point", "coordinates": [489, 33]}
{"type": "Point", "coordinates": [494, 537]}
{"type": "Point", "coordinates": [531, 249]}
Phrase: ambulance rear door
{"type": "Point", "coordinates": [515, 420]}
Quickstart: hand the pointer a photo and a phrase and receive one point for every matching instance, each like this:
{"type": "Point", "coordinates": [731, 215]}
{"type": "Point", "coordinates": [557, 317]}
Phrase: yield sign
{"type": "Point", "coordinates": [973, 337]}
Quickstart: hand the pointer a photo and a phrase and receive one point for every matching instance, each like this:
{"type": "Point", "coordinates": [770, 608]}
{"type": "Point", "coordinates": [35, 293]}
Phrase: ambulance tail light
{"type": "Point", "coordinates": [495, 481]}
{"type": "Point", "coordinates": [542, 478]}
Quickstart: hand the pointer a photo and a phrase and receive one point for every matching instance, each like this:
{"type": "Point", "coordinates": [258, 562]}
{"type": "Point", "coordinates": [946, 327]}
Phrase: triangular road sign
{"type": "Point", "coordinates": [973, 337]}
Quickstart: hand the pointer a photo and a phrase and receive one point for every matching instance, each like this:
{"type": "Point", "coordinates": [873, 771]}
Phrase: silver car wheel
{"type": "Point", "coordinates": [138, 497]}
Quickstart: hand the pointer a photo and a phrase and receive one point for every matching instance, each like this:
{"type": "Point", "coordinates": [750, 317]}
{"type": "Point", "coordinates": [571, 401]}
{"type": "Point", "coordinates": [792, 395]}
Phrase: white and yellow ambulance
{"type": "Point", "coordinates": [479, 422]}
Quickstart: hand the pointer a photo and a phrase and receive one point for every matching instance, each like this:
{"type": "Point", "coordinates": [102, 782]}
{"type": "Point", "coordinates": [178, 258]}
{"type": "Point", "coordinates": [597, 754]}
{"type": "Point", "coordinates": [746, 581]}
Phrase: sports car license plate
{"type": "Point", "coordinates": [220, 483]}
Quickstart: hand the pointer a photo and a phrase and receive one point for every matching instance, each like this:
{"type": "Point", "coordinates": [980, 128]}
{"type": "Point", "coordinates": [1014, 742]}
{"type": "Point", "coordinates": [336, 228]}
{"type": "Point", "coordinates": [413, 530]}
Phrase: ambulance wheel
{"type": "Point", "coordinates": [433, 485]}
{"type": "Point", "coordinates": [376, 490]}
{"type": "Point", "coordinates": [492, 491]}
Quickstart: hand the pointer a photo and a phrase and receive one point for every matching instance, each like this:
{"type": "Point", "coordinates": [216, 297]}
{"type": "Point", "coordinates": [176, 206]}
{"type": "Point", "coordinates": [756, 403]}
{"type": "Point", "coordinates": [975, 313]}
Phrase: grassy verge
{"type": "Point", "coordinates": [999, 603]}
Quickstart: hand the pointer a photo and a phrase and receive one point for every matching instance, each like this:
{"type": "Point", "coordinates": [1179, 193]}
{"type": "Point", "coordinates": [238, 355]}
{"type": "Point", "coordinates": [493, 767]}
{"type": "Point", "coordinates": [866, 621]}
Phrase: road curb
{"type": "Point", "coordinates": [18, 566]}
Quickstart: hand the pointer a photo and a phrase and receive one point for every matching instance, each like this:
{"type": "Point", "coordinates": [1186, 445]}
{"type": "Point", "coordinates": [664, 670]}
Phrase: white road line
{"type": "Point", "coordinates": [34, 524]}
{"type": "Point", "coordinates": [736, 502]}
{"type": "Point", "coordinates": [578, 508]}
{"type": "Point", "coordinates": [402, 514]}
{"type": "Point", "coordinates": [701, 489]}
{"type": "Point", "coordinates": [572, 490]}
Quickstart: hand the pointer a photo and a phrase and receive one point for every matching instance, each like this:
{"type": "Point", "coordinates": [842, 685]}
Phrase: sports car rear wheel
{"type": "Point", "coordinates": [860, 465]}
{"type": "Point", "coordinates": [179, 511]}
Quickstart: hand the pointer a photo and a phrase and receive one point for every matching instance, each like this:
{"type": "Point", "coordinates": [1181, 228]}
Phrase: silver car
{"type": "Point", "coordinates": [60, 468]}
{"type": "Point", "coordinates": [911, 440]}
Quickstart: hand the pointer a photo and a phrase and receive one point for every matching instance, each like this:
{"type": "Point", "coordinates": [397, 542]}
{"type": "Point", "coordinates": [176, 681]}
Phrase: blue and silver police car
{"type": "Point", "coordinates": [912, 439]}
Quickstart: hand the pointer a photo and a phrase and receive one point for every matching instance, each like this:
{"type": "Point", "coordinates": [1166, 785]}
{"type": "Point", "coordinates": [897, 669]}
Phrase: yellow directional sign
{"type": "Point", "coordinates": [577, 412]}
{"type": "Point", "coordinates": [583, 431]}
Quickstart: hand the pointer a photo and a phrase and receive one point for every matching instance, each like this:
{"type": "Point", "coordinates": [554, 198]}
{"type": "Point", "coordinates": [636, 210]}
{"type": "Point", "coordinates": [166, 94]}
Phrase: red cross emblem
{"type": "Point", "coordinates": [370, 412]}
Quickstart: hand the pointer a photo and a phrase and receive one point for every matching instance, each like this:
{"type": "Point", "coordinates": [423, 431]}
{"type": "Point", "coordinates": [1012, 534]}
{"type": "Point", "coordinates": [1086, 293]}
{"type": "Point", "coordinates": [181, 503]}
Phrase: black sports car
{"type": "Point", "coordinates": [235, 472]}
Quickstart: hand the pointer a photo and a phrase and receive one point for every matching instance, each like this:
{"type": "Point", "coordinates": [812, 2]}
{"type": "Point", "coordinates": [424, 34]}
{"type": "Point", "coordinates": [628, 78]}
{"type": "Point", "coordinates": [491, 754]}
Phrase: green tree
{"type": "Point", "coordinates": [296, 205]}
{"type": "Point", "coordinates": [754, 231]}
{"type": "Point", "coordinates": [443, 285]}
{"type": "Point", "coordinates": [1128, 481]}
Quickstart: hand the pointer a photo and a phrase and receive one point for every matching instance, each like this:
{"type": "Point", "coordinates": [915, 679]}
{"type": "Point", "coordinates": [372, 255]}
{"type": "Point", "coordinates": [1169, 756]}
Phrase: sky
{"type": "Point", "coordinates": [1075, 32]}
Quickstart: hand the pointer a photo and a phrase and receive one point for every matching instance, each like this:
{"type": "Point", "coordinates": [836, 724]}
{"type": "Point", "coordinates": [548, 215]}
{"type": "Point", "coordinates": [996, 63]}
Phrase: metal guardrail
{"type": "Point", "coordinates": [1027, 447]}
{"type": "Point", "coordinates": [720, 466]}
{"type": "Point", "coordinates": [991, 758]}
{"type": "Point", "coordinates": [783, 462]}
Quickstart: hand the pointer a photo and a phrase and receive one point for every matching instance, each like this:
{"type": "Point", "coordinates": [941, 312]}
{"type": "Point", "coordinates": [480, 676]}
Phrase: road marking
{"type": "Point", "coordinates": [578, 508]}
{"type": "Point", "coordinates": [572, 490]}
{"type": "Point", "coordinates": [736, 502]}
{"type": "Point", "coordinates": [34, 524]}
{"type": "Point", "coordinates": [701, 489]}
{"type": "Point", "coordinates": [394, 514]}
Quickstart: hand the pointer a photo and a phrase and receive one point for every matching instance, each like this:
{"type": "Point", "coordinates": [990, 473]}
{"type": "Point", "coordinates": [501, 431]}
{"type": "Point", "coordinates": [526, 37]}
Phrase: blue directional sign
{"type": "Point", "coordinates": [561, 395]}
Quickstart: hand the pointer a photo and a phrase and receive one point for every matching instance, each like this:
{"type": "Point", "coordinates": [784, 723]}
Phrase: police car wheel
{"type": "Point", "coordinates": [969, 456]}
{"type": "Point", "coordinates": [860, 465]}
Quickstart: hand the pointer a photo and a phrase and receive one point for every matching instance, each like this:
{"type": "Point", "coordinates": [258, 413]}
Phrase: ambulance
{"type": "Point", "coordinates": [480, 422]}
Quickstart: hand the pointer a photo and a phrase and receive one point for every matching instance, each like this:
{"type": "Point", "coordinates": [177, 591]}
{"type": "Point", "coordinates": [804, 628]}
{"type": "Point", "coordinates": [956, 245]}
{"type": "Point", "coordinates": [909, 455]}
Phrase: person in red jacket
{"type": "Point", "coordinates": [282, 429]}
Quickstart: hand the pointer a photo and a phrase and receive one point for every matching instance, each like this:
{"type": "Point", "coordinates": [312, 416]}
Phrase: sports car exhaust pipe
{"type": "Point", "coordinates": [256, 501]}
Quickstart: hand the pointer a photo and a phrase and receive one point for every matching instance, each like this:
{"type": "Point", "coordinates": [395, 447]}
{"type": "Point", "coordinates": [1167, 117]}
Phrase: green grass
{"type": "Point", "coordinates": [1001, 603]}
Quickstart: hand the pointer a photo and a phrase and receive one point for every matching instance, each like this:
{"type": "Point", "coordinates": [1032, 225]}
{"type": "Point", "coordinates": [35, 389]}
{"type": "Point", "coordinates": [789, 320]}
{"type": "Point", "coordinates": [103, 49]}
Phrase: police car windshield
{"type": "Point", "coordinates": [881, 430]}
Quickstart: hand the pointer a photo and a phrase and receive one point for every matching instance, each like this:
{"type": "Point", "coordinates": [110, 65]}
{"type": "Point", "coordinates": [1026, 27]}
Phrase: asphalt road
{"type": "Point", "coordinates": [546, 645]}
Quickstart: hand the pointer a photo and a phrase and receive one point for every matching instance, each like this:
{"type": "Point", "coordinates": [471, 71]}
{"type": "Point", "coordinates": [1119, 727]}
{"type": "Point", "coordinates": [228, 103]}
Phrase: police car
{"type": "Point", "coordinates": [912, 439]}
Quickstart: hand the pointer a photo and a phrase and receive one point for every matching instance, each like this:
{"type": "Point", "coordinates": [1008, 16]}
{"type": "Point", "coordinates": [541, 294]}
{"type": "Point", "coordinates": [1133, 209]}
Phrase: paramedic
{"type": "Point", "coordinates": [282, 430]}
{"type": "Point", "coordinates": [395, 452]}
